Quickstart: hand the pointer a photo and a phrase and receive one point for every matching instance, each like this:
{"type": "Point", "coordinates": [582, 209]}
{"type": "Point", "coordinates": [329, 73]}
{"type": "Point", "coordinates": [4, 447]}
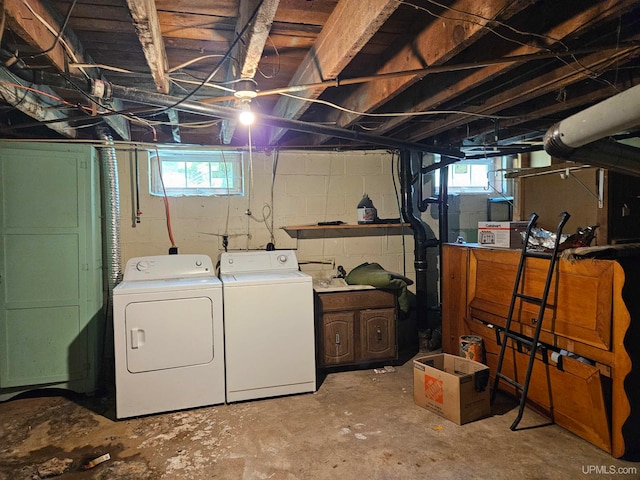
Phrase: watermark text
{"type": "Point", "coordinates": [609, 470]}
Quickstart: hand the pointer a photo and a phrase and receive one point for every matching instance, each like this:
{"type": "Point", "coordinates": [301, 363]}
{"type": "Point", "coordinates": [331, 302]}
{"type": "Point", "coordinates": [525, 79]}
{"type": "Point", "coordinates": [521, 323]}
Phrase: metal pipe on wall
{"type": "Point", "coordinates": [111, 238]}
{"type": "Point", "coordinates": [111, 208]}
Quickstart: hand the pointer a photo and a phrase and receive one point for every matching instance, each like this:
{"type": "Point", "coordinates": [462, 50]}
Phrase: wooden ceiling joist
{"type": "Point", "coordinates": [248, 51]}
{"type": "Point", "coordinates": [145, 17]}
{"type": "Point", "coordinates": [441, 40]}
{"type": "Point", "coordinates": [39, 27]}
{"type": "Point", "coordinates": [252, 45]}
{"type": "Point", "coordinates": [574, 101]}
{"type": "Point", "coordinates": [550, 82]}
{"type": "Point", "coordinates": [433, 97]}
{"type": "Point", "coordinates": [348, 29]}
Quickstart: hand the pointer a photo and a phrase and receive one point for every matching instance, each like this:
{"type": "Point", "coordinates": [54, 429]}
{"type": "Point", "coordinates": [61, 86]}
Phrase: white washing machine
{"type": "Point", "coordinates": [168, 335]}
{"type": "Point", "coordinates": [268, 325]}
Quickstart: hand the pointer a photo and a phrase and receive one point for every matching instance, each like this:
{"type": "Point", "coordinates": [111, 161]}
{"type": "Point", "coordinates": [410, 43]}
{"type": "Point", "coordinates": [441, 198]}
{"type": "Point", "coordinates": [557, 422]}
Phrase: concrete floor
{"type": "Point", "coordinates": [359, 425]}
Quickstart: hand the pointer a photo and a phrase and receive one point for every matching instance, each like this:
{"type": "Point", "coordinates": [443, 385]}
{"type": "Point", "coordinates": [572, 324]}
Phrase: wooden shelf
{"type": "Point", "coordinates": [347, 230]}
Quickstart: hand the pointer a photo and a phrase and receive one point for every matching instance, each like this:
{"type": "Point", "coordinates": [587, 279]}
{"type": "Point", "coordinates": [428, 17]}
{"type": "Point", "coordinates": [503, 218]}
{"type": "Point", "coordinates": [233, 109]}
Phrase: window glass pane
{"type": "Point", "coordinates": [197, 174]}
{"type": "Point", "coordinates": [478, 177]}
{"type": "Point", "coordinates": [222, 175]}
{"type": "Point", "coordinates": [475, 176]}
{"type": "Point", "coordinates": [202, 173]}
{"type": "Point", "coordinates": [173, 174]}
{"type": "Point", "coordinates": [459, 176]}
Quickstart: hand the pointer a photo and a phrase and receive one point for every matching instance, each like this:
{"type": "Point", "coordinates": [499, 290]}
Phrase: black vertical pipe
{"type": "Point", "coordinates": [419, 236]}
{"type": "Point", "coordinates": [443, 203]}
{"type": "Point", "coordinates": [443, 218]}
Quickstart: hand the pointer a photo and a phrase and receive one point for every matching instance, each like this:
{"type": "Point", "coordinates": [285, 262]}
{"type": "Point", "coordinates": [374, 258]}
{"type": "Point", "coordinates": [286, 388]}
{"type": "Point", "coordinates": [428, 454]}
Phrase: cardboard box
{"type": "Point", "coordinates": [501, 234]}
{"type": "Point", "coordinates": [453, 387]}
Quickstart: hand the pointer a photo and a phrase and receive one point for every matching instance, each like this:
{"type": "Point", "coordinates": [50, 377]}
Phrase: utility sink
{"type": "Point", "coordinates": [336, 285]}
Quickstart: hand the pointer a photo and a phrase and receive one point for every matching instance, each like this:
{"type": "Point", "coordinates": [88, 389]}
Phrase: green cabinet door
{"type": "Point", "coordinates": [50, 267]}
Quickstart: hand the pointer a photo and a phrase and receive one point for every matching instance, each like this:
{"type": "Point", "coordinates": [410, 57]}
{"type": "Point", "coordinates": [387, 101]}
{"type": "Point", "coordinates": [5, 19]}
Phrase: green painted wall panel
{"type": "Point", "coordinates": [51, 297]}
{"type": "Point", "coordinates": [39, 269]}
{"type": "Point", "coordinates": [54, 179]}
{"type": "Point", "coordinates": [44, 345]}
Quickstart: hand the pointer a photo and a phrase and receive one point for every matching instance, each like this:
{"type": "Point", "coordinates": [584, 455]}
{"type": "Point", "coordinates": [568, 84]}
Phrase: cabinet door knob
{"type": "Point", "coordinates": [378, 333]}
{"type": "Point", "coordinates": [337, 338]}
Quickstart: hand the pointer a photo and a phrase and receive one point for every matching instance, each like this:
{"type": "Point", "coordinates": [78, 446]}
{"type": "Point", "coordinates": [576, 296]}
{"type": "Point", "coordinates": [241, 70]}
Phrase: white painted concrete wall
{"type": "Point", "coordinates": [465, 211]}
{"type": "Point", "coordinates": [308, 187]}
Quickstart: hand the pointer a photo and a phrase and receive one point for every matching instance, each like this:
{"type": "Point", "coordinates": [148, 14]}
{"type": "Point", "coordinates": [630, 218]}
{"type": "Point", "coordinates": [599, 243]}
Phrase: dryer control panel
{"type": "Point", "coordinates": [258, 261]}
{"type": "Point", "coordinates": [160, 267]}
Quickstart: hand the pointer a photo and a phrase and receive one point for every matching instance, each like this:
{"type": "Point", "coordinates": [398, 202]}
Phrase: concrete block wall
{"type": "Point", "coordinates": [465, 211]}
{"type": "Point", "coordinates": [308, 187]}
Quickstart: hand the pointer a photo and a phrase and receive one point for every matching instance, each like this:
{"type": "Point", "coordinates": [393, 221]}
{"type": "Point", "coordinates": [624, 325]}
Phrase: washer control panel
{"type": "Point", "coordinates": [258, 261]}
{"type": "Point", "coordinates": [160, 267]}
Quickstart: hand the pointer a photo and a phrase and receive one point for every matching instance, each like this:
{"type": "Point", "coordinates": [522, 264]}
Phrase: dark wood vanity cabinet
{"type": "Point", "coordinates": [355, 327]}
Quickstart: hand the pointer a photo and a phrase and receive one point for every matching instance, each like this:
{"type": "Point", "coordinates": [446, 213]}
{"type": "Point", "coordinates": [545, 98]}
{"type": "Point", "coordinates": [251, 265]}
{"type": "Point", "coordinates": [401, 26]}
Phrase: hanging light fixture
{"type": "Point", "coordinates": [245, 89]}
{"type": "Point", "coordinates": [245, 92]}
{"type": "Point", "coordinates": [246, 115]}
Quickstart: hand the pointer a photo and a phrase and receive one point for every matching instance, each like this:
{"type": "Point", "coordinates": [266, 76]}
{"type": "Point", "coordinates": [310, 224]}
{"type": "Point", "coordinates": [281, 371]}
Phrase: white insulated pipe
{"type": "Point", "coordinates": [614, 115]}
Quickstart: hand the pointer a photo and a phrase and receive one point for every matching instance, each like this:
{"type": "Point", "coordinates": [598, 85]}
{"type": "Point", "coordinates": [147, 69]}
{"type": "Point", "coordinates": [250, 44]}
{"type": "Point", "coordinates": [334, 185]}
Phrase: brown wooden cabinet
{"type": "Point", "coordinates": [355, 327]}
{"type": "Point", "coordinates": [590, 314]}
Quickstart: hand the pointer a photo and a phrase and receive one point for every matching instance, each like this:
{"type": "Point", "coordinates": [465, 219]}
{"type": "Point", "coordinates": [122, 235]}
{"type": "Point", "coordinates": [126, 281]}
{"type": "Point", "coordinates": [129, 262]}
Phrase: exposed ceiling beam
{"type": "Point", "coordinates": [447, 89]}
{"type": "Point", "coordinates": [215, 111]}
{"type": "Point", "coordinates": [348, 29]}
{"type": "Point", "coordinates": [145, 17]}
{"type": "Point", "coordinates": [37, 24]}
{"type": "Point", "coordinates": [252, 44]}
{"type": "Point", "coordinates": [248, 51]}
{"type": "Point", "coordinates": [464, 22]}
{"type": "Point", "coordinates": [574, 100]}
{"type": "Point", "coordinates": [544, 84]}
{"type": "Point", "coordinates": [15, 92]}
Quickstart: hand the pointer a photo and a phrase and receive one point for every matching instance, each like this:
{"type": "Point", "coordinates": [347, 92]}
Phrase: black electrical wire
{"type": "Point", "coordinates": [162, 109]}
{"type": "Point", "coordinates": [58, 36]}
{"type": "Point", "coordinates": [130, 114]}
{"type": "Point", "coordinates": [222, 60]}
{"type": "Point", "coordinates": [190, 94]}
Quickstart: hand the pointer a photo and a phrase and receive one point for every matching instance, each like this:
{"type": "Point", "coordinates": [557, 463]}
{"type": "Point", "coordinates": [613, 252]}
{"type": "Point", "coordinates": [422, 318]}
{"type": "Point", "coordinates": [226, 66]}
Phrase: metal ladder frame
{"type": "Point", "coordinates": [532, 343]}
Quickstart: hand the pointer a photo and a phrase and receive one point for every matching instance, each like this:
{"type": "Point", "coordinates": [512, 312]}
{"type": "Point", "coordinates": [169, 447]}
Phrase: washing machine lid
{"type": "Point", "coordinates": [232, 263]}
{"type": "Point", "coordinates": [264, 278]}
{"type": "Point", "coordinates": [167, 285]}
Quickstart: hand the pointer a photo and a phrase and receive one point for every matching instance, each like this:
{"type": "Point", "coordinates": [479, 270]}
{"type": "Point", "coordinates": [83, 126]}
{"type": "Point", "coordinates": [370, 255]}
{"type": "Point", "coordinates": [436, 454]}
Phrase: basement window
{"type": "Point", "coordinates": [196, 173]}
{"type": "Point", "coordinates": [469, 176]}
{"type": "Point", "coordinates": [477, 176]}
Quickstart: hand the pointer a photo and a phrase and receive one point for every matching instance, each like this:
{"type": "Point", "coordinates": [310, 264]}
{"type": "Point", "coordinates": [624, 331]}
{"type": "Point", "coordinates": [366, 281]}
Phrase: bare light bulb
{"type": "Point", "coordinates": [246, 115]}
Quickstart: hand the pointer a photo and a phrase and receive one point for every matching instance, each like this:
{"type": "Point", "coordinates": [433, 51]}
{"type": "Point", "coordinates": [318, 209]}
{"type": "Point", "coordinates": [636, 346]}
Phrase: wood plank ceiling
{"type": "Point", "coordinates": [446, 75]}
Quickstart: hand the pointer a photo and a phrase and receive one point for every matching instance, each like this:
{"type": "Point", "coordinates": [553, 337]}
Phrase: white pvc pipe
{"type": "Point", "coordinates": [614, 115]}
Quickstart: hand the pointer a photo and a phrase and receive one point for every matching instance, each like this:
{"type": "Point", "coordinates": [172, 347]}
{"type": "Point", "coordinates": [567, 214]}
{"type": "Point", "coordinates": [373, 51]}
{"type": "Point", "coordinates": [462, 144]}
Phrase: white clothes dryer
{"type": "Point", "coordinates": [268, 325]}
{"type": "Point", "coordinates": [168, 335]}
